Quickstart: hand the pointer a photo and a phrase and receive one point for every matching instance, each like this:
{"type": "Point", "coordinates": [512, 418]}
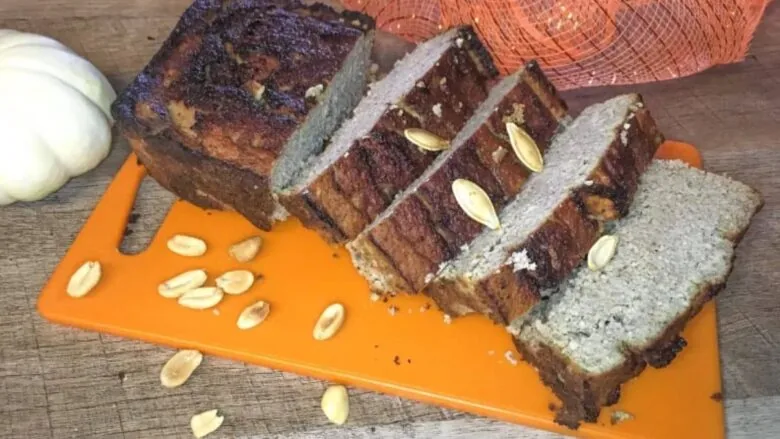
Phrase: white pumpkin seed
{"type": "Point", "coordinates": [201, 298]}
{"type": "Point", "coordinates": [475, 202]}
{"type": "Point", "coordinates": [236, 282]}
{"type": "Point", "coordinates": [335, 404]}
{"type": "Point", "coordinates": [425, 139]}
{"type": "Point", "coordinates": [178, 369]}
{"type": "Point", "coordinates": [253, 315]}
{"type": "Point", "coordinates": [184, 245]}
{"type": "Point", "coordinates": [525, 148]}
{"type": "Point", "coordinates": [602, 252]}
{"type": "Point", "coordinates": [84, 279]}
{"type": "Point", "coordinates": [206, 423]}
{"type": "Point", "coordinates": [178, 285]}
{"type": "Point", "coordinates": [246, 250]}
{"type": "Point", "coordinates": [330, 322]}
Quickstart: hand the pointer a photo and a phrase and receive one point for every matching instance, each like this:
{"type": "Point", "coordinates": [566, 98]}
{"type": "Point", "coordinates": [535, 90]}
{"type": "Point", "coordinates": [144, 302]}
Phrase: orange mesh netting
{"type": "Point", "coordinates": [587, 42]}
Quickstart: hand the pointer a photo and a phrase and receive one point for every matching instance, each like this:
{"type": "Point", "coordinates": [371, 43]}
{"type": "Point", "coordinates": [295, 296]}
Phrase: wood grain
{"type": "Point", "coordinates": [60, 383]}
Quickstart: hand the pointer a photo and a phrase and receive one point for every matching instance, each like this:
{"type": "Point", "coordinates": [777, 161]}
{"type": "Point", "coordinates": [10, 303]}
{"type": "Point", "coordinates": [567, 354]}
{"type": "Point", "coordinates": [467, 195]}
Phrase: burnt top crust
{"type": "Point", "coordinates": [236, 78]}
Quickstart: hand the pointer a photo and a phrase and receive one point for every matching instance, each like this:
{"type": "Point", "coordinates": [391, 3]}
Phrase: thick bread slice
{"type": "Point", "coordinates": [436, 87]}
{"type": "Point", "coordinates": [675, 252]}
{"type": "Point", "coordinates": [425, 226]}
{"type": "Point", "coordinates": [240, 94]}
{"type": "Point", "coordinates": [590, 175]}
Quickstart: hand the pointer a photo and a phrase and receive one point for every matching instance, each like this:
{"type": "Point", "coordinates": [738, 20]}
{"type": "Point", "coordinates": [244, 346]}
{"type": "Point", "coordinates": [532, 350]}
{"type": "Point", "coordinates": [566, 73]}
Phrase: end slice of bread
{"type": "Point", "coordinates": [424, 226]}
{"type": "Point", "coordinates": [590, 175]}
{"type": "Point", "coordinates": [436, 87]}
{"type": "Point", "coordinates": [675, 252]}
{"type": "Point", "coordinates": [238, 92]}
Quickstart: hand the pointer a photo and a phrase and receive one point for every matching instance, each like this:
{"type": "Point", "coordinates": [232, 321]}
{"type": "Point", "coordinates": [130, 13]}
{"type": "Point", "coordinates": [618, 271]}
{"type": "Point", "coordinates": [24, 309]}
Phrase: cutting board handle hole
{"type": "Point", "coordinates": [150, 208]}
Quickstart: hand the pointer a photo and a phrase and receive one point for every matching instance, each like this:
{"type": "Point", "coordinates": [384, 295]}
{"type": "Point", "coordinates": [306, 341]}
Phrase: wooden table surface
{"type": "Point", "coordinates": [59, 382]}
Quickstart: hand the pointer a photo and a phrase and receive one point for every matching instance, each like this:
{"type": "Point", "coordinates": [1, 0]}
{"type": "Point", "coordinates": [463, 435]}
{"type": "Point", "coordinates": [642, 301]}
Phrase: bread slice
{"type": "Point", "coordinates": [240, 94]}
{"type": "Point", "coordinates": [424, 226]}
{"type": "Point", "coordinates": [675, 251]}
{"type": "Point", "coordinates": [590, 175]}
{"type": "Point", "coordinates": [436, 87]}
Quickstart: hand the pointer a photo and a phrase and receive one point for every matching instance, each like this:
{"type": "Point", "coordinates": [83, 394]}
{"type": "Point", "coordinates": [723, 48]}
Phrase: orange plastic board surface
{"type": "Point", "coordinates": [412, 354]}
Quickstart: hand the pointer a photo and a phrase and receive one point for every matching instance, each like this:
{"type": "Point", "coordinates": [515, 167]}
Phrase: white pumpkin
{"type": "Point", "coordinates": [55, 120]}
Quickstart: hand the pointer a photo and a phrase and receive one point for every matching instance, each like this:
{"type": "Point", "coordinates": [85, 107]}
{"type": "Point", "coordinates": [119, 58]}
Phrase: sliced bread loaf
{"type": "Point", "coordinates": [424, 226]}
{"type": "Point", "coordinates": [590, 175]}
{"type": "Point", "coordinates": [436, 88]}
{"type": "Point", "coordinates": [239, 94]}
{"type": "Point", "coordinates": [675, 251]}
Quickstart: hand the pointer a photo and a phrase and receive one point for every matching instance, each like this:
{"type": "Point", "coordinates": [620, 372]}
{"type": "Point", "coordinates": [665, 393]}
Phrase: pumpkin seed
{"type": "Point", "coordinates": [184, 245]}
{"type": "Point", "coordinates": [201, 298]}
{"type": "Point", "coordinates": [246, 250]}
{"type": "Point", "coordinates": [84, 279]}
{"type": "Point", "coordinates": [602, 252]}
{"type": "Point", "coordinates": [329, 322]}
{"type": "Point", "coordinates": [236, 282]}
{"type": "Point", "coordinates": [475, 202]}
{"type": "Point", "coordinates": [253, 315]}
{"type": "Point", "coordinates": [425, 139]}
{"type": "Point", "coordinates": [174, 287]}
{"type": "Point", "coordinates": [525, 148]}
{"type": "Point", "coordinates": [178, 369]}
{"type": "Point", "coordinates": [335, 404]}
{"type": "Point", "coordinates": [205, 423]}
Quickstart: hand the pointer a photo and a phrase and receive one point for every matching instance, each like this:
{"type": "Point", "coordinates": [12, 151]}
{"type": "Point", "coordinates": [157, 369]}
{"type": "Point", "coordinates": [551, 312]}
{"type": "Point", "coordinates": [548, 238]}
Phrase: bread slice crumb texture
{"type": "Point", "coordinates": [677, 241]}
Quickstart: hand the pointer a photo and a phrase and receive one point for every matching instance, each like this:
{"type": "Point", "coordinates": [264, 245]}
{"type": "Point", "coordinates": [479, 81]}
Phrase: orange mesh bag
{"type": "Point", "coordinates": [587, 42]}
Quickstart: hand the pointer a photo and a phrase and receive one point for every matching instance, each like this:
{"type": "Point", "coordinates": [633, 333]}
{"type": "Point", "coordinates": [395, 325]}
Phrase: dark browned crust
{"type": "Point", "coordinates": [560, 244]}
{"type": "Point", "coordinates": [358, 186]}
{"type": "Point", "coordinates": [582, 394]}
{"type": "Point", "coordinates": [198, 92]}
{"type": "Point", "coordinates": [428, 227]}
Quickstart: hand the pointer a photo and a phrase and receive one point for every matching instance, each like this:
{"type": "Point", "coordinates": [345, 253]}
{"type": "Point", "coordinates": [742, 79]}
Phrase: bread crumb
{"type": "Point", "coordinates": [619, 416]}
{"type": "Point", "coordinates": [355, 23]}
{"type": "Point", "coordinates": [420, 84]}
{"type": "Point", "coordinates": [442, 81]}
{"type": "Point", "coordinates": [521, 261]}
{"type": "Point", "coordinates": [400, 112]}
{"type": "Point", "coordinates": [314, 91]}
{"type": "Point", "coordinates": [498, 155]}
{"type": "Point", "coordinates": [624, 138]}
{"type": "Point", "coordinates": [374, 297]}
{"type": "Point", "coordinates": [447, 319]}
{"type": "Point", "coordinates": [588, 182]}
{"type": "Point", "coordinates": [476, 20]}
{"type": "Point", "coordinates": [464, 248]}
{"type": "Point", "coordinates": [514, 330]}
{"type": "Point", "coordinates": [215, 311]}
{"type": "Point", "coordinates": [626, 126]}
{"type": "Point", "coordinates": [425, 307]}
{"type": "Point", "coordinates": [437, 110]}
{"type": "Point", "coordinates": [517, 116]}
{"type": "Point", "coordinates": [393, 310]}
{"type": "Point", "coordinates": [459, 42]}
{"type": "Point", "coordinates": [510, 357]}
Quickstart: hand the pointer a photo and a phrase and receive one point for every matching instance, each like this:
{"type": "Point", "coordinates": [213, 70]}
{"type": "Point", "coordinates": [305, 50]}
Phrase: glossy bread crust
{"type": "Point", "coordinates": [226, 91]}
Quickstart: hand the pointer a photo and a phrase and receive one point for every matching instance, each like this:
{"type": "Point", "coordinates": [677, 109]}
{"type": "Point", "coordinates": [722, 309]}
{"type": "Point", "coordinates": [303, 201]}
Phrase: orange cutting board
{"type": "Point", "coordinates": [412, 354]}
